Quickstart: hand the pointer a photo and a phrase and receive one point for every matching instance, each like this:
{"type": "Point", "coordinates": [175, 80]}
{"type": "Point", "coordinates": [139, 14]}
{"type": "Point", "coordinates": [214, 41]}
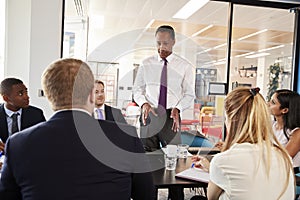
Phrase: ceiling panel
{"type": "Point", "coordinates": [123, 16]}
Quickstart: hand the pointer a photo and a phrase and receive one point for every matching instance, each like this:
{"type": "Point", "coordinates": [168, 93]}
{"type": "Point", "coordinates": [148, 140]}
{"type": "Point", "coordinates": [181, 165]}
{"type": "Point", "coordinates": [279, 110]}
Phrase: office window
{"type": "Point", "coordinates": [75, 29]}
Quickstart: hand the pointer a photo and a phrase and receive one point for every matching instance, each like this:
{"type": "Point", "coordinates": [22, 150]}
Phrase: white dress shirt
{"type": "Point", "coordinates": [180, 82]}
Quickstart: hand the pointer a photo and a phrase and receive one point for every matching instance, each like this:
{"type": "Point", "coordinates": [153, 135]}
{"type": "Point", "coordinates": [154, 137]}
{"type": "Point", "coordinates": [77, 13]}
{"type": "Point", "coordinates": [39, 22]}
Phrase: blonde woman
{"type": "Point", "coordinates": [252, 165]}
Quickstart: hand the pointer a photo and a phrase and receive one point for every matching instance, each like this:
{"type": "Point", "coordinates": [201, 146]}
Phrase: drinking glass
{"type": "Point", "coordinates": [182, 150]}
{"type": "Point", "coordinates": [170, 162]}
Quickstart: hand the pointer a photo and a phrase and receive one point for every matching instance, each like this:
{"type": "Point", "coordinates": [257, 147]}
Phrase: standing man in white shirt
{"type": "Point", "coordinates": [103, 111]}
{"type": "Point", "coordinates": [164, 87]}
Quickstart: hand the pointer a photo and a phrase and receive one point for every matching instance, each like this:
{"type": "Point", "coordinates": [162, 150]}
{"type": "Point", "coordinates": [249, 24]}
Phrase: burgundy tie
{"type": "Point", "coordinates": [162, 101]}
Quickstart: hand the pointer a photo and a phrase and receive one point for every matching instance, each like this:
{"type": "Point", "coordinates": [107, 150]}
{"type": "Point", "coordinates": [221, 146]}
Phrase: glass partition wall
{"type": "Point", "coordinates": [115, 36]}
{"type": "Point", "coordinates": [261, 51]}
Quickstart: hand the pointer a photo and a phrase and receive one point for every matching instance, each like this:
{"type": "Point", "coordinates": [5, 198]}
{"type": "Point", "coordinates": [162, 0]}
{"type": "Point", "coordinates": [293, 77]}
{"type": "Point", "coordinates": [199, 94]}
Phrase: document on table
{"type": "Point", "coordinates": [195, 174]}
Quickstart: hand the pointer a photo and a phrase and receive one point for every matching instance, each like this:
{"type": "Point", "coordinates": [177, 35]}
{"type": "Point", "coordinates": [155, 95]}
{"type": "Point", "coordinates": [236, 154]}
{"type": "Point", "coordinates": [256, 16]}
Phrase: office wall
{"type": "Point", "coordinates": [33, 40]}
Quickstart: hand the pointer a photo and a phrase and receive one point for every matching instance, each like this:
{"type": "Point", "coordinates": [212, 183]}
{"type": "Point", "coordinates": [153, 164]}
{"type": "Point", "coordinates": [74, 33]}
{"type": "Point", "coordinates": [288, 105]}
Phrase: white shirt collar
{"type": "Point", "coordinates": [101, 107]}
{"type": "Point", "coordinates": [169, 58]}
{"type": "Point", "coordinates": [10, 113]}
{"type": "Point", "coordinates": [75, 109]}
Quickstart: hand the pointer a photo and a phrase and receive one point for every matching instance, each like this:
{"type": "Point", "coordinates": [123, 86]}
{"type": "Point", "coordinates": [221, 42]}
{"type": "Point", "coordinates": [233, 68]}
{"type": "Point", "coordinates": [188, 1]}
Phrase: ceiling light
{"type": "Point", "coordinates": [253, 34]}
{"type": "Point", "coordinates": [190, 8]}
{"type": "Point", "coordinates": [209, 49]}
{"type": "Point", "coordinates": [206, 50]}
{"type": "Point", "coordinates": [210, 62]}
{"type": "Point", "coordinates": [245, 54]}
{"type": "Point", "coordinates": [202, 30]}
{"type": "Point", "coordinates": [271, 48]}
{"type": "Point", "coordinates": [257, 55]}
{"type": "Point", "coordinates": [149, 24]}
{"type": "Point", "coordinates": [221, 45]}
{"type": "Point", "coordinates": [220, 63]}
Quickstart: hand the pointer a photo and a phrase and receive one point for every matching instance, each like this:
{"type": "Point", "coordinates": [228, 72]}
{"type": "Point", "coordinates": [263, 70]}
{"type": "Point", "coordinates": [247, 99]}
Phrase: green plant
{"type": "Point", "coordinates": [273, 85]}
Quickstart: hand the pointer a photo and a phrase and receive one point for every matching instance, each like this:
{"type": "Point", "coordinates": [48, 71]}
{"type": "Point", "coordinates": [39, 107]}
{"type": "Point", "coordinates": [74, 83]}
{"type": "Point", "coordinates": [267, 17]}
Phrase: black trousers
{"type": "Point", "coordinates": [158, 130]}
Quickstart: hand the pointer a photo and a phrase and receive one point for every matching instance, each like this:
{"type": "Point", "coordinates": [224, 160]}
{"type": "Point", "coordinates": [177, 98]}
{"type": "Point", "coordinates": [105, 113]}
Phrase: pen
{"type": "Point", "coordinates": [193, 165]}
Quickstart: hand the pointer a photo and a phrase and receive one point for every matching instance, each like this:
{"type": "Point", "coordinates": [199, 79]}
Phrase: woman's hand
{"type": "Point", "coordinates": [202, 163]}
{"type": "Point", "coordinates": [219, 145]}
{"type": "Point", "coordinates": [196, 158]}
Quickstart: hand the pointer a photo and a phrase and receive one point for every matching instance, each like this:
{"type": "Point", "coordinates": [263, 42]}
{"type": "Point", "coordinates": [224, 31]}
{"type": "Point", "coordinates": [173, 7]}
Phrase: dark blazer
{"type": "Point", "coordinates": [73, 156]}
{"type": "Point", "coordinates": [113, 114]}
{"type": "Point", "coordinates": [30, 116]}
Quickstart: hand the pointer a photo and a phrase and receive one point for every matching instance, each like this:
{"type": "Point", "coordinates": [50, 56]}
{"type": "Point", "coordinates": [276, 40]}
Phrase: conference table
{"type": "Point", "coordinates": [163, 178]}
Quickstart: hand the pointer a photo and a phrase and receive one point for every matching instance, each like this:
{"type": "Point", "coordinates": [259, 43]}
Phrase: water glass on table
{"type": "Point", "coordinates": [171, 157]}
{"type": "Point", "coordinates": [182, 150]}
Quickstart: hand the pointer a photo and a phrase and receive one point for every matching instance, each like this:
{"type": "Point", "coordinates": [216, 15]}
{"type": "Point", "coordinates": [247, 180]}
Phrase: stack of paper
{"type": "Point", "coordinates": [195, 174]}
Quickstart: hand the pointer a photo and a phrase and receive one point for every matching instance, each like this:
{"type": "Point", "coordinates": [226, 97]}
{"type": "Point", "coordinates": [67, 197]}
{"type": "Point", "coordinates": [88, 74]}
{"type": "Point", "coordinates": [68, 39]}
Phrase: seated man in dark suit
{"type": "Point", "coordinates": [72, 155]}
{"type": "Point", "coordinates": [16, 98]}
{"type": "Point", "coordinates": [103, 111]}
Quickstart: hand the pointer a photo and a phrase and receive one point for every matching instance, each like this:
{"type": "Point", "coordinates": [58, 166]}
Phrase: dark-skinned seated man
{"type": "Point", "coordinates": [15, 113]}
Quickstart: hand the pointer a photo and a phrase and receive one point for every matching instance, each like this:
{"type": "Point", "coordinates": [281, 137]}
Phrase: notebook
{"type": "Point", "coordinates": [195, 174]}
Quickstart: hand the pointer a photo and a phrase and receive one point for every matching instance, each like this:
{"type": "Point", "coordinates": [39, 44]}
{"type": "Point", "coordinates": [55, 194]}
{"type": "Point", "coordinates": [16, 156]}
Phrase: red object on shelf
{"type": "Point", "coordinates": [186, 123]}
{"type": "Point", "coordinates": [131, 104]}
{"type": "Point", "coordinates": [189, 122]}
{"type": "Point", "coordinates": [185, 128]}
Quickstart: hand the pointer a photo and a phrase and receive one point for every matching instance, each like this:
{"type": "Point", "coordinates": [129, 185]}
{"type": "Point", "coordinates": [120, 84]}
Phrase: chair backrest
{"type": "Point", "coordinates": [207, 110]}
{"type": "Point", "coordinates": [205, 115]}
{"type": "Point", "coordinates": [212, 125]}
{"type": "Point", "coordinates": [132, 114]}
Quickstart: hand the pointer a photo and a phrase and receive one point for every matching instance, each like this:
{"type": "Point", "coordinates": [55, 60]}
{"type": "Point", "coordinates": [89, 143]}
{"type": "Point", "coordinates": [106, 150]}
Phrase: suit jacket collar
{"type": "Point", "coordinates": [10, 113]}
{"type": "Point", "coordinates": [70, 111]}
{"type": "Point", "coordinates": [108, 113]}
{"type": "Point", "coordinates": [70, 114]}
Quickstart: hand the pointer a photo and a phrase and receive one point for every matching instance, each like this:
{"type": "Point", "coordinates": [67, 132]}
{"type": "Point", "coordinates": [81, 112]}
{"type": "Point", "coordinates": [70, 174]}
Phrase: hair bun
{"type": "Point", "coordinates": [254, 91]}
